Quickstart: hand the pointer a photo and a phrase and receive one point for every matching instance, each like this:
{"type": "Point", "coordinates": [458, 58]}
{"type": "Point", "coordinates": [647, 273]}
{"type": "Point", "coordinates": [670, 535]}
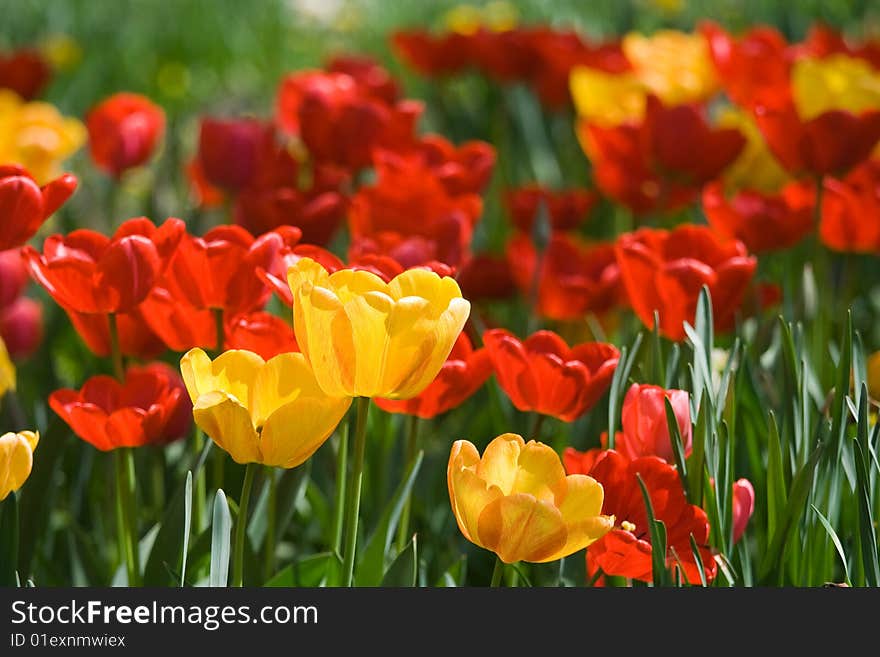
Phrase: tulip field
{"type": "Point", "coordinates": [350, 293]}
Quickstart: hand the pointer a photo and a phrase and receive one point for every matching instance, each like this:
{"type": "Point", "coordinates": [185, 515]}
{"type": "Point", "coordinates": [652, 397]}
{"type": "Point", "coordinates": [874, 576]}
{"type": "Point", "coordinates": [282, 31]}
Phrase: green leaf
{"type": "Point", "coordinates": [658, 539]}
{"type": "Point", "coordinates": [776, 488]}
{"type": "Point", "coordinates": [677, 446]}
{"type": "Point", "coordinates": [290, 489]}
{"type": "Point", "coordinates": [371, 566]}
{"type": "Point", "coordinates": [618, 382]}
{"type": "Point", "coordinates": [658, 365]}
{"type": "Point", "coordinates": [454, 575]}
{"type": "Point", "coordinates": [221, 534]}
{"type": "Point", "coordinates": [867, 532]}
{"type": "Point", "coordinates": [187, 521]}
{"type": "Point", "coordinates": [696, 464]}
{"type": "Point", "coordinates": [834, 539]}
{"type": "Point", "coordinates": [698, 558]}
{"type": "Point", "coordinates": [9, 540]}
{"type": "Point", "coordinates": [311, 571]}
{"type": "Point", "coordinates": [404, 570]}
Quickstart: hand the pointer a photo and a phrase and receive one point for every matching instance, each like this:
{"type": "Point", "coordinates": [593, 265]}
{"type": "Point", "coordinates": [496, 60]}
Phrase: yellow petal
{"type": "Point", "coordinates": [539, 472]}
{"type": "Point", "coordinates": [294, 431]}
{"type": "Point", "coordinates": [607, 99]}
{"type": "Point", "coordinates": [368, 316]}
{"type": "Point", "coordinates": [228, 423]}
{"type": "Point", "coordinates": [468, 493]}
{"type": "Point", "coordinates": [7, 370]}
{"type": "Point", "coordinates": [233, 372]}
{"type": "Point", "coordinates": [837, 82]}
{"type": "Point", "coordinates": [581, 509]}
{"type": "Point", "coordinates": [521, 528]}
{"type": "Point", "coordinates": [16, 460]}
{"type": "Point", "coordinates": [499, 463]}
{"type": "Point", "coordinates": [280, 381]}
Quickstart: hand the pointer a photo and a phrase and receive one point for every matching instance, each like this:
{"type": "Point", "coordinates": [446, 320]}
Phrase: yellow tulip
{"type": "Point", "coordinates": [517, 501]}
{"type": "Point", "coordinates": [837, 82]}
{"type": "Point", "coordinates": [674, 66]}
{"type": "Point", "coordinates": [756, 168]}
{"type": "Point", "coordinates": [367, 338]}
{"type": "Point", "coordinates": [62, 51]}
{"type": "Point", "coordinates": [7, 370]}
{"type": "Point", "coordinates": [36, 136]}
{"type": "Point", "coordinates": [468, 19]}
{"type": "Point", "coordinates": [607, 99]}
{"type": "Point", "coordinates": [269, 412]}
{"type": "Point", "coordinates": [16, 460]}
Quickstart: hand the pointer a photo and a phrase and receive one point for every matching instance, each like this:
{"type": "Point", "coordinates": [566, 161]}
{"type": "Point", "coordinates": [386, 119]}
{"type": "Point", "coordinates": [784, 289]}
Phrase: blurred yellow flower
{"type": "Point", "coordinates": [837, 82]}
{"type": "Point", "coordinates": [270, 412]}
{"type": "Point", "coordinates": [607, 99]}
{"type": "Point", "coordinates": [674, 66]}
{"type": "Point", "coordinates": [756, 168]}
{"type": "Point", "coordinates": [36, 136]}
{"type": "Point", "coordinates": [63, 52]}
{"type": "Point", "coordinates": [7, 370]}
{"type": "Point", "coordinates": [367, 338]}
{"type": "Point", "coordinates": [16, 460]}
{"type": "Point", "coordinates": [468, 19]}
{"type": "Point", "coordinates": [517, 501]}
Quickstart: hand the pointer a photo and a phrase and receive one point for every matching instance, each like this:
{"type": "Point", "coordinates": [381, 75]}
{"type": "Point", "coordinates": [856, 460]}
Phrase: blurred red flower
{"type": "Point", "coordinates": [645, 428]}
{"type": "Point", "coordinates": [439, 55]}
{"type": "Point", "coordinates": [464, 372]}
{"type": "Point", "coordinates": [88, 272]}
{"type": "Point", "coordinates": [24, 205]}
{"type": "Point", "coordinates": [763, 222]}
{"type": "Point", "coordinates": [124, 130]}
{"type": "Point", "coordinates": [463, 169]}
{"type": "Point", "coordinates": [275, 274]}
{"type": "Point", "coordinates": [262, 333]}
{"type": "Point", "coordinates": [625, 551]}
{"type": "Point", "coordinates": [230, 149]}
{"type": "Point", "coordinates": [485, 276]}
{"type": "Point", "coordinates": [545, 375]}
{"type": "Point", "coordinates": [136, 338]}
{"type": "Point", "coordinates": [851, 210]}
{"type": "Point", "coordinates": [21, 327]}
{"type": "Point", "coordinates": [142, 410]}
{"type": "Point", "coordinates": [369, 75]}
{"type": "Point", "coordinates": [13, 276]}
{"type": "Point", "coordinates": [24, 71]}
{"type": "Point", "coordinates": [566, 209]}
{"type": "Point", "coordinates": [823, 40]}
{"type": "Point", "coordinates": [661, 163]}
{"type": "Point", "coordinates": [664, 270]}
{"type": "Point", "coordinates": [743, 506]}
{"type": "Point", "coordinates": [573, 277]}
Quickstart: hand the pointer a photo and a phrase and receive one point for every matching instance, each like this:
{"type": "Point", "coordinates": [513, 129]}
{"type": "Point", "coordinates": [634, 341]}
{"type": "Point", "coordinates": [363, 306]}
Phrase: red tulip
{"type": "Point", "coordinates": [403, 193]}
{"type": "Point", "coordinates": [661, 163]}
{"type": "Point", "coordinates": [763, 222]}
{"type": "Point", "coordinates": [566, 209]}
{"type": "Point", "coordinates": [124, 130]}
{"type": "Point", "coordinates": [743, 506]}
{"type": "Point", "coordinates": [230, 150]}
{"type": "Point", "coordinates": [176, 324]}
{"type": "Point", "coordinates": [851, 210]}
{"type": "Point", "coordinates": [645, 428]}
{"type": "Point", "coordinates": [24, 205]}
{"type": "Point", "coordinates": [88, 272]}
{"type": "Point", "coordinates": [463, 373]}
{"type": "Point", "coordinates": [180, 422]}
{"type": "Point", "coordinates": [21, 327]}
{"type": "Point", "coordinates": [823, 40]}
{"type": "Point", "coordinates": [665, 270]}
{"type": "Point", "coordinates": [407, 251]}
{"type": "Point", "coordinates": [545, 375]}
{"type": "Point", "coordinates": [275, 275]}
{"type": "Point", "coordinates": [13, 276]}
{"type": "Point", "coordinates": [504, 56]}
{"type": "Point", "coordinates": [485, 276]}
{"type": "Point", "coordinates": [25, 71]}
{"type": "Point", "coordinates": [463, 169]}
{"type": "Point", "coordinates": [829, 144]}
{"type": "Point", "coordinates": [339, 122]}
{"type": "Point", "coordinates": [109, 414]}
{"type": "Point", "coordinates": [626, 551]}
{"type": "Point", "coordinates": [573, 279]}
{"type": "Point", "coordinates": [754, 67]}
{"type": "Point", "coordinates": [446, 54]}
{"type": "Point", "coordinates": [136, 339]}
{"type": "Point", "coordinates": [369, 75]}
{"type": "Point", "coordinates": [262, 333]}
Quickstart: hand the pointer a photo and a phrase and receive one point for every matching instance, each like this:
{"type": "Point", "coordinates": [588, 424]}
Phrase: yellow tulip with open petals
{"type": "Point", "coordinates": [270, 412]}
{"type": "Point", "coordinates": [16, 460]}
{"type": "Point", "coordinates": [367, 338]}
{"type": "Point", "coordinates": [607, 99]}
{"type": "Point", "coordinates": [837, 82]}
{"type": "Point", "coordinates": [7, 370]}
{"type": "Point", "coordinates": [518, 502]}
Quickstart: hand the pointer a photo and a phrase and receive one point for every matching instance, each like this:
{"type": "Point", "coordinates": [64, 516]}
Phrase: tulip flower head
{"type": "Point", "coordinates": [16, 460]}
{"type": "Point", "coordinates": [368, 338]}
{"type": "Point", "coordinates": [7, 370]}
{"type": "Point", "coordinates": [24, 205]}
{"type": "Point", "coordinates": [270, 412]}
{"type": "Point", "coordinates": [645, 427]}
{"type": "Point", "coordinates": [516, 501]}
{"type": "Point", "coordinates": [124, 130]}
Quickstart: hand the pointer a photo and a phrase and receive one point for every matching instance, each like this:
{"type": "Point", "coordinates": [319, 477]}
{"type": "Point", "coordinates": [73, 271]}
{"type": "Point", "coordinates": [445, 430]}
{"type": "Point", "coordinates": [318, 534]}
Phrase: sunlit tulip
{"type": "Point", "coordinates": [516, 501]}
{"type": "Point", "coordinates": [7, 370]}
{"type": "Point", "coordinates": [645, 427]}
{"type": "Point", "coordinates": [16, 460]}
{"type": "Point", "coordinates": [24, 205]}
{"type": "Point", "coordinates": [675, 66]}
{"type": "Point", "coordinates": [36, 136]}
{"type": "Point", "coordinates": [368, 338]}
{"type": "Point", "coordinates": [270, 412]}
{"type": "Point", "coordinates": [124, 130]}
{"type": "Point", "coordinates": [543, 374]}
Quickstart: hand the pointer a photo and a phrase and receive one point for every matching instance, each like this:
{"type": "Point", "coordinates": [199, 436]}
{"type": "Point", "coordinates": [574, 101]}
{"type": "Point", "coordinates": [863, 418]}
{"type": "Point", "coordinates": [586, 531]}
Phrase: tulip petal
{"type": "Point", "coordinates": [233, 372]}
{"type": "Point", "coordinates": [468, 493]}
{"type": "Point", "coordinates": [520, 528]}
{"type": "Point", "coordinates": [294, 431]}
{"type": "Point", "coordinates": [16, 461]}
{"type": "Point", "coordinates": [282, 380]}
{"type": "Point", "coordinates": [228, 423]}
{"type": "Point", "coordinates": [581, 509]}
{"type": "Point", "coordinates": [539, 472]}
{"type": "Point", "coordinates": [499, 462]}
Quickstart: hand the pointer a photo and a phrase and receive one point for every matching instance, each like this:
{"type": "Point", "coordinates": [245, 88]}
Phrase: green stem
{"type": "Point", "coordinates": [241, 524]}
{"type": "Point", "coordinates": [353, 503]}
{"type": "Point", "coordinates": [125, 496]}
{"type": "Point", "coordinates": [339, 505]}
{"type": "Point", "coordinates": [115, 349]}
{"type": "Point", "coordinates": [412, 448]}
{"type": "Point", "coordinates": [269, 557]}
{"type": "Point", "coordinates": [498, 573]}
{"type": "Point", "coordinates": [200, 488]}
{"type": "Point", "coordinates": [537, 425]}
{"type": "Point", "coordinates": [9, 540]}
{"type": "Point", "coordinates": [220, 331]}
